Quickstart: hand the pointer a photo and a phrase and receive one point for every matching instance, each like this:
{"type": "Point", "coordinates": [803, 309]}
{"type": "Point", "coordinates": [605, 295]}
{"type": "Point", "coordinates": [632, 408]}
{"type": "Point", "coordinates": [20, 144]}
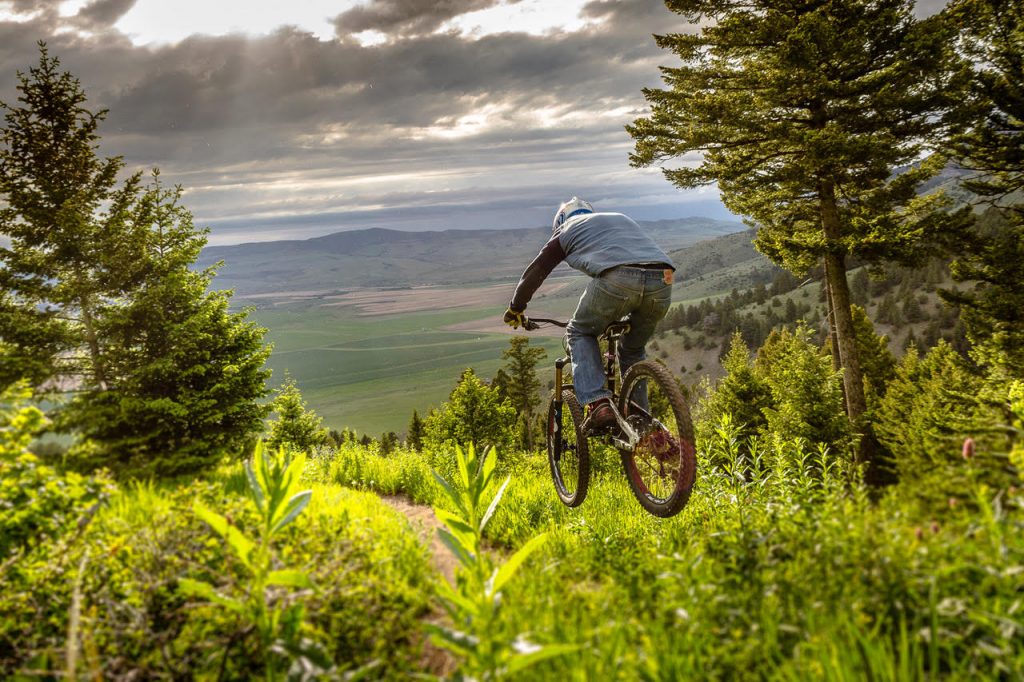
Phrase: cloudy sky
{"type": "Point", "coordinates": [293, 119]}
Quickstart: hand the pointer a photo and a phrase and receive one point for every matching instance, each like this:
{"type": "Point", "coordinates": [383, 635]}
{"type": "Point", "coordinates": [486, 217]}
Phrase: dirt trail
{"type": "Point", "coordinates": [426, 524]}
{"type": "Point", "coordinates": [435, 660]}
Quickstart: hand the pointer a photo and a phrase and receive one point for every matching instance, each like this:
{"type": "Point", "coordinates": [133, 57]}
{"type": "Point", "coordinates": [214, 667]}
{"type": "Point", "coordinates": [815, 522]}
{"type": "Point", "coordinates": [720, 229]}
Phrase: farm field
{"type": "Point", "coordinates": [369, 372]}
{"type": "Point", "coordinates": [366, 358]}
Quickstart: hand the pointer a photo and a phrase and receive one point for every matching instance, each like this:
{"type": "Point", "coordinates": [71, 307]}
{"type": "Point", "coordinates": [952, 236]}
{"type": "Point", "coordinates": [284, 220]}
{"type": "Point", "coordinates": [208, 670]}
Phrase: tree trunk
{"type": "Point", "coordinates": [835, 269]}
{"type": "Point", "coordinates": [830, 319]}
{"type": "Point", "coordinates": [92, 340]}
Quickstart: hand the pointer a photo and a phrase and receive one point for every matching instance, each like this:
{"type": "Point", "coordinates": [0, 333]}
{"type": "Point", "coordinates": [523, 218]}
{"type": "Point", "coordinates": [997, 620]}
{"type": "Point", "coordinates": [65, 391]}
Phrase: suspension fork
{"type": "Point", "coordinates": [556, 400]}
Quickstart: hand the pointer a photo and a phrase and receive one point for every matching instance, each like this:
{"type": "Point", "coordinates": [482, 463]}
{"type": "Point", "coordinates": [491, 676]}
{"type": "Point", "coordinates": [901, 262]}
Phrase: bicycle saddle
{"type": "Point", "coordinates": [616, 329]}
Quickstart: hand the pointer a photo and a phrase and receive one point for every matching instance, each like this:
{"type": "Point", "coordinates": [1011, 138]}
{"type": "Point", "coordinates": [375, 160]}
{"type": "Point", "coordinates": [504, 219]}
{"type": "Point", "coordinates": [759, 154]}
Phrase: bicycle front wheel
{"type": "Point", "coordinates": [662, 467]}
{"type": "Point", "coordinates": [568, 451]}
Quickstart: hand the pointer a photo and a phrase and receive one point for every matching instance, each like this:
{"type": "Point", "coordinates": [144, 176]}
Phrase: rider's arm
{"type": "Point", "coordinates": [551, 255]}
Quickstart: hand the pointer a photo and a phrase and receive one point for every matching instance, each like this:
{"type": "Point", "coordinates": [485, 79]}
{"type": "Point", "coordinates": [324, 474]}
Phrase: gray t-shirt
{"type": "Point", "coordinates": [595, 242]}
{"type": "Point", "coordinates": [590, 243]}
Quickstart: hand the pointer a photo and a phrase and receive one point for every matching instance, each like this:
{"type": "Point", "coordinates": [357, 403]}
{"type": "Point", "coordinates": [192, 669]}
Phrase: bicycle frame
{"type": "Point", "coordinates": [612, 334]}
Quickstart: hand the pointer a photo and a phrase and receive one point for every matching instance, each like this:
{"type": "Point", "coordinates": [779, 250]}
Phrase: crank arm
{"type": "Point", "coordinates": [631, 436]}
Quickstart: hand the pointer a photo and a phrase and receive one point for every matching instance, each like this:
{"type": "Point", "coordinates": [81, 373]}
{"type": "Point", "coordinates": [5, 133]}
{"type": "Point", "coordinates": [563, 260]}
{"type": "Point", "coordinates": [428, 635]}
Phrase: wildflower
{"type": "Point", "coordinates": [918, 533]}
{"type": "Point", "coordinates": [952, 503]}
{"type": "Point", "coordinates": [968, 451]}
{"type": "Point", "coordinates": [935, 527]}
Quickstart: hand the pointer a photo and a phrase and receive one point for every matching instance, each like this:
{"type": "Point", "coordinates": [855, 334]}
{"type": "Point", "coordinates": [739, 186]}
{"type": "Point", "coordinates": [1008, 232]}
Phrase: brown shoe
{"type": "Point", "coordinates": [600, 418]}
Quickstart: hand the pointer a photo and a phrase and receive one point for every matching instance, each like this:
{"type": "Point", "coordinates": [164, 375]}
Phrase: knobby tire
{"type": "Point", "coordinates": [661, 479]}
{"type": "Point", "coordinates": [571, 474]}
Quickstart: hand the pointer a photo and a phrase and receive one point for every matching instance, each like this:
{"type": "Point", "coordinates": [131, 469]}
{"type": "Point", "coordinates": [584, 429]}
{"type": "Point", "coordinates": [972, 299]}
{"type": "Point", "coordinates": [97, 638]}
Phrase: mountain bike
{"type": "Point", "coordinates": [655, 433]}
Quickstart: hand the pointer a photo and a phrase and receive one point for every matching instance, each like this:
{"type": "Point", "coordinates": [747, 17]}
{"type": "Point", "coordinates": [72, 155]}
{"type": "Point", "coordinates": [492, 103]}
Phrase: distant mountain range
{"type": "Point", "coordinates": [379, 258]}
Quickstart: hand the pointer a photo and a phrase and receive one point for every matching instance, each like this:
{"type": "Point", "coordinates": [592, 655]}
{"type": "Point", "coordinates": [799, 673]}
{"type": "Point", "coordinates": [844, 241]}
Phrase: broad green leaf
{"type": "Point", "coordinates": [458, 527]}
{"type": "Point", "coordinates": [290, 578]}
{"type": "Point", "coordinates": [494, 504]}
{"type": "Point", "coordinates": [460, 459]}
{"type": "Point", "coordinates": [449, 593]}
{"type": "Point", "coordinates": [234, 537]}
{"type": "Point", "coordinates": [259, 460]}
{"type": "Point", "coordinates": [453, 640]}
{"type": "Point", "coordinates": [489, 466]}
{"type": "Point", "coordinates": [454, 495]}
{"type": "Point", "coordinates": [197, 588]}
{"type": "Point", "coordinates": [293, 473]}
{"type": "Point", "coordinates": [507, 570]}
{"type": "Point", "coordinates": [457, 548]}
{"type": "Point", "coordinates": [294, 508]}
{"type": "Point", "coordinates": [256, 492]}
{"type": "Point", "coordinates": [523, 661]}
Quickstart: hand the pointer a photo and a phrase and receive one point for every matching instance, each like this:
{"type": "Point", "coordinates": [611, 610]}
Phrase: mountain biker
{"type": "Point", "coordinates": [632, 277]}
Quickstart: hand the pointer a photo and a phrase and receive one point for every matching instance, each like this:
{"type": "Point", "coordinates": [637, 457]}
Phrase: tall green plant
{"type": "Point", "coordinates": [474, 602]}
{"type": "Point", "coordinates": [273, 487]}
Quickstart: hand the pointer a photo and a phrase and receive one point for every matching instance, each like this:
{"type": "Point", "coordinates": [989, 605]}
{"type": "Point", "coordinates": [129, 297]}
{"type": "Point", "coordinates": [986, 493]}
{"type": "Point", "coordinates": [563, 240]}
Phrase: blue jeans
{"type": "Point", "coordinates": [640, 294]}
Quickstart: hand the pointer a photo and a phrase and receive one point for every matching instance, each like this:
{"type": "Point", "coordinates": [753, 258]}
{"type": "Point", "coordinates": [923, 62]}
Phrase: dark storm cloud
{"type": "Point", "coordinates": [103, 13]}
{"type": "Point", "coordinates": [274, 128]}
{"type": "Point", "coordinates": [405, 17]}
{"type": "Point", "coordinates": [227, 98]}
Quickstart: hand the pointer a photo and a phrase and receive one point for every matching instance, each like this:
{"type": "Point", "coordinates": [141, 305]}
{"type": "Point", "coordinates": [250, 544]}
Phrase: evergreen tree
{"type": "Point", "coordinates": [912, 311]}
{"type": "Point", "coordinates": [388, 442]}
{"type": "Point", "coordinates": [414, 436]}
{"type": "Point", "coordinates": [993, 305]}
{"type": "Point", "coordinates": [803, 112]}
{"type": "Point", "coordinates": [523, 387]}
{"type": "Point", "coordinates": [167, 379]}
{"type": "Point", "coordinates": [806, 393]}
{"type": "Point", "coordinates": [183, 374]}
{"type": "Point", "coordinates": [860, 287]}
{"type": "Point", "coordinates": [500, 384]}
{"type": "Point", "coordinates": [296, 426]}
{"type": "Point", "coordinates": [741, 394]}
{"type": "Point", "coordinates": [473, 414]}
{"type": "Point", "coordinates": [877, 360]}
{"type": "Point", "coordinates": [66, 222]}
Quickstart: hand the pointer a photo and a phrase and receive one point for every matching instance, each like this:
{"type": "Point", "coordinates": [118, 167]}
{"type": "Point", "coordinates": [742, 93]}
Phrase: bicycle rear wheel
{"type": "Point", "coordinates": [568, 451]}
{"type": "Point", "coordinates": [662, 468]}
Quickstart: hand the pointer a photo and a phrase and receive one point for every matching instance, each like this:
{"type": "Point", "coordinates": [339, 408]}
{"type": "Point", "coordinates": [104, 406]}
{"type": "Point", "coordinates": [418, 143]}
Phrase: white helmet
{"type": "Point", "coordinates": [570, 208]}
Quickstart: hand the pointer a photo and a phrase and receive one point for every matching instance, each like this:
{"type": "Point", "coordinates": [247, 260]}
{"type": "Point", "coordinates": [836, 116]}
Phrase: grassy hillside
{"type": "Point", "coordinates": [366, 359]}
{"type": "Point", "coordinates": [390, 258]}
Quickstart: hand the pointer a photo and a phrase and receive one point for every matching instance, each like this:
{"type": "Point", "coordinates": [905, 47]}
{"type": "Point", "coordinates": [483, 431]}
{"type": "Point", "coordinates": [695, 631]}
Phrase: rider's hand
{"type": "Point", "coordinates": [515, 318]}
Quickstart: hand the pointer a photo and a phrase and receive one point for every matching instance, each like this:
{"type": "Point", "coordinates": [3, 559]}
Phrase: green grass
{"type": "Point", "coordinates": [370, 373]}
{"type": "Point", "coordinates": [791, 572]}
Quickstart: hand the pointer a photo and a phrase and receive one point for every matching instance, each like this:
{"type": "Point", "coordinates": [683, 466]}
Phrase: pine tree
{"type": "Point", "coordinates": [860, 287]}
{"type": "Point", "coordinates": [66, 222]}
{"type": "Point", "coordinates": [803, 112]}
{"type": "Point", "coordinates": [167, 379]}
{"type": "Point", "coordinates": [414, 436]}
{"type": "Point", "coordinates": [993, 305]}
{"type": "Point", "coordinates": [473, 414]}
{"type": "Point", "coordinates": [523, 386]}
{"type": "Point", "coordinates": [296, 426]}
{"type": "Point", "coordinates": [388, 442]}
{"type": "Point", "coordinates": [740, 393]}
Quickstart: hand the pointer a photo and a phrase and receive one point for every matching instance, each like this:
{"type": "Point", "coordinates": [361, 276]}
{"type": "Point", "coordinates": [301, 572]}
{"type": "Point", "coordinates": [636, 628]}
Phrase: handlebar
{"type": "Point", "coordinates": [533, 323]}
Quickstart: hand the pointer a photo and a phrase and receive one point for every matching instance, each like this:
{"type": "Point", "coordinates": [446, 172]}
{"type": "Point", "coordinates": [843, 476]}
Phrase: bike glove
{"type": "Point", "coordinates": [515, 318]}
